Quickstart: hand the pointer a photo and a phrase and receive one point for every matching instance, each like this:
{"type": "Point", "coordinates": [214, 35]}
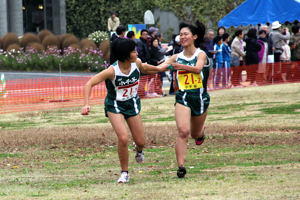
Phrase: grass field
{"type": "Point", "coordinates": [252, 151]}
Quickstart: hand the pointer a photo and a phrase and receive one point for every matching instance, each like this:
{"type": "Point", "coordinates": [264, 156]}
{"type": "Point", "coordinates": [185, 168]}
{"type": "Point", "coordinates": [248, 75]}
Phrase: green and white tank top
{"type": "Point", "coordinates": [123, 87]}
{"type": "Point", "coordinates": [190, 81]}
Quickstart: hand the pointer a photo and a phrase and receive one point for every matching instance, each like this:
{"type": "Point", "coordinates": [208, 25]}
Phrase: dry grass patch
{"type": "Point", "coordinates": [163, 134]}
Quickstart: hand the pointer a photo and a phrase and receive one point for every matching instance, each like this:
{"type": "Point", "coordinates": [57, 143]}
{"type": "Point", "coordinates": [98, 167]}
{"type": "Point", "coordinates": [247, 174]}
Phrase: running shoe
{"type": "Point", "coordinates": [181, 172]}
{"type": "Point", "coordinates": [139, 157]}
{"type": "Point", "coordinates": [200, 140]}
{"type": "Point", "coordinates": [124, 178]}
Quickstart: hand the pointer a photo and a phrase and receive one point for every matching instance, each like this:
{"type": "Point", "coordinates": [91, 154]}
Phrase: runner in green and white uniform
{"type": "Point", "coordinates": [122, 103]}
{"type": "Point", "coordinates": [122, 96]}
{"type": "Point", "coordinates": [192, 87]}
{"type": "Point", "coordinates": [192, 99]}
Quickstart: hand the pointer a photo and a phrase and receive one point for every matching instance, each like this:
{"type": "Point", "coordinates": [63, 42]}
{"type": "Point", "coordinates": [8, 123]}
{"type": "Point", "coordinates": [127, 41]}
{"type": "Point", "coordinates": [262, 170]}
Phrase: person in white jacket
{"type": "Point", "coordinates": [237, 54]}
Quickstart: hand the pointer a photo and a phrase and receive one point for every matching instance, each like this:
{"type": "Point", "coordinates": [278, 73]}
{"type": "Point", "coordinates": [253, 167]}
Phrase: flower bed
{"type": "Point", "coordinates": [52, 59]}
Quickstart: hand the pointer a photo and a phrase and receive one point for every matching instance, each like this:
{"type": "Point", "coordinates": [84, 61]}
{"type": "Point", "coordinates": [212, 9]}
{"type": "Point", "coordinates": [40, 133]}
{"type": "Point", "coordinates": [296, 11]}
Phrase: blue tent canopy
{"type": "Point", "coordinates": [262, 11]}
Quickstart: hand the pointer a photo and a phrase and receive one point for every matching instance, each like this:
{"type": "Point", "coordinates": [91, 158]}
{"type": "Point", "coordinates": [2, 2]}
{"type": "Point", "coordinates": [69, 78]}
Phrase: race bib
{"type": "Point", "coordinates": [127, 91]}
{"type": "Point", "coordinates": [189, 81]}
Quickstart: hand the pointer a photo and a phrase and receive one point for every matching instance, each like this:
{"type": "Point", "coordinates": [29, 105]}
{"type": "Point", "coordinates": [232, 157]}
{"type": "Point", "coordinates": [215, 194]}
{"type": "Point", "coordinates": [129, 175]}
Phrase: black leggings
{"type": "Point", "coordinates": [277, 57]}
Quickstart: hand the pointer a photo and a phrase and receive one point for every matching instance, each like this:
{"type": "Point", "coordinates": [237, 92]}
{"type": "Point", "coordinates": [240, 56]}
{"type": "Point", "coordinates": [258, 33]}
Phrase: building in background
{"type": "Point", "coordinates": [21, 16]}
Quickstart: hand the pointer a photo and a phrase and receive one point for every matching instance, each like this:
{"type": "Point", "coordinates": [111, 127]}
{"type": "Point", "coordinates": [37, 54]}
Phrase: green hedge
{"type": "Point", "coordinates": [85, 17]}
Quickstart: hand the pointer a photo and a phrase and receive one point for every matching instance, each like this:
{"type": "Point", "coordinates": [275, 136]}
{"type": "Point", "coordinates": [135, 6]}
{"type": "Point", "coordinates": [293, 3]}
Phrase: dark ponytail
{"type": "Point", "coordinates": [197, 29]}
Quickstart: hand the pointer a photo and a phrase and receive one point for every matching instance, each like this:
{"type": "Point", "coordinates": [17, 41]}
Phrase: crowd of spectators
{"type": "Point", "coordinates": [252, 49]}
{"type": "Point", "coordinates": [150, 50]}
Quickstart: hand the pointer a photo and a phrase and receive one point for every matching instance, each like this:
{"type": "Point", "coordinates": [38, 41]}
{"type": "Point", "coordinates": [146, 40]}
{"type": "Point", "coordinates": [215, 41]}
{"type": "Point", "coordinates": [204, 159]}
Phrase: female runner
{"type": "Point", "coordinates": [122, 102]}
{"type": "Point", "coordinates": [192, 99]}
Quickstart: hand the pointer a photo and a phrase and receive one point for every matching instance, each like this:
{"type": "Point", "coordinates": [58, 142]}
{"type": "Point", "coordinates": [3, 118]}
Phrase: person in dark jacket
{"type": "Point", "coordinates": [156, 58]}
{"type": "Point", "coordinates": [120, 33]}
{"type": "Point", "coordinates": [251, 58]}
{"type": "Point", "coordinates": [142, 46]}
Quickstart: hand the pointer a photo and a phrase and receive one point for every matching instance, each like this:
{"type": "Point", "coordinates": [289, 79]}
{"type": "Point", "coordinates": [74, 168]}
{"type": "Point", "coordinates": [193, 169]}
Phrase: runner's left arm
{"type": "Point", "coordinates": [151, 69]}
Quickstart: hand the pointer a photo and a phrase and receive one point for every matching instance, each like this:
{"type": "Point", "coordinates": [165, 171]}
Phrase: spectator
{"type": "Point", "coordinates": [221, 30]}
{"type": "Point", "coordinates": [120, 33]}
{"type": "Point", "coordinates": [219, 62]}
{"type": "Point", "coordinates": [270, 50]}
{"type": "Point", "coordinates": [285, 59]}
{"type": "Point", "coordinates": [142, 46]}
{"type": "Point", "coordinates": [278, 39]}
{"type": "Point", "coordinates": [251, 58]}
{"type": "Point", "coordinates": [175, 46]}
{"type": "Point", "coordinates": [262, 55]}
{"type": "Point", "coordinates": [156, 58]}
{"type": "Point", "coordinates": [131, 35]}
{"type": "Point", "coordinates": [144, 55]}
{"type": "Point", "coordinates": [208, 47]}
{"type": "Point", "coordinates": [226, 52]}
{"type": "Point", "coordinates": [237, 55]}
{"type": "Point", "coordinates": [237, 48]}
{"type": "Point", "coordinates": [209, 43]}
{"type": "Point", "coordinates": [293, 71]}
{"type": "Point", "coordinates": [296, 42]}
{"type": "Point", "coordinates": [159, 36]}
{"type": "Point", "coordinates": [262, 40]}
{"type": "Point", "coordinates": [268, 39]}
{"type": "Point", "coordinates": [153, 31]}
{"type": "Point", "coordinates": [113, 22]}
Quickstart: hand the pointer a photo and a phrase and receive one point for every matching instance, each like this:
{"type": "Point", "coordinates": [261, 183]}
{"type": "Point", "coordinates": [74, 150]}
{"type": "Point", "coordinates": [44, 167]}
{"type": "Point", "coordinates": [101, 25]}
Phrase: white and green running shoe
{"type": "Point", "coordinates": [124, 178]}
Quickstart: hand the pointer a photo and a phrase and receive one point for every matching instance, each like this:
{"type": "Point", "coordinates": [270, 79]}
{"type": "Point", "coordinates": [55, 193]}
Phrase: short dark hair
{"type": "Point", "coordinates": [217, 39]}
{"type": "Point", "coordinates": [121, 48]}
{"type": "Point", "coordinates": [120, 29]}
{"type": "Point", "coordinates": [295, 29]}
{"type": "Point", "coordinates": [225, 36]}
{"type": "Point", "coordinates": [144, 30]}
{"type": "Point", "coordinates": [252, 33]}
{"type": "Point", "coordinates": [238, 32]}
{"type": "Point", "coordinates": [261, 32]}
{"type": "Point", "coordinates": [130, 34]}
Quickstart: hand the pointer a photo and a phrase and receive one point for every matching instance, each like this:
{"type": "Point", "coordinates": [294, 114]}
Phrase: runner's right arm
{"type": "Point", "coordinates": [98, 78]}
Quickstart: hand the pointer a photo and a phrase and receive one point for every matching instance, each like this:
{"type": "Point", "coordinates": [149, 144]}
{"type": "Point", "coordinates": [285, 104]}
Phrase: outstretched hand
{"type": "Point", "coordinates": [85, 110]}
{"type": "Point", "coordinates": [176, 66]}
{"type": "Point", "coordinates": [163, 67]}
